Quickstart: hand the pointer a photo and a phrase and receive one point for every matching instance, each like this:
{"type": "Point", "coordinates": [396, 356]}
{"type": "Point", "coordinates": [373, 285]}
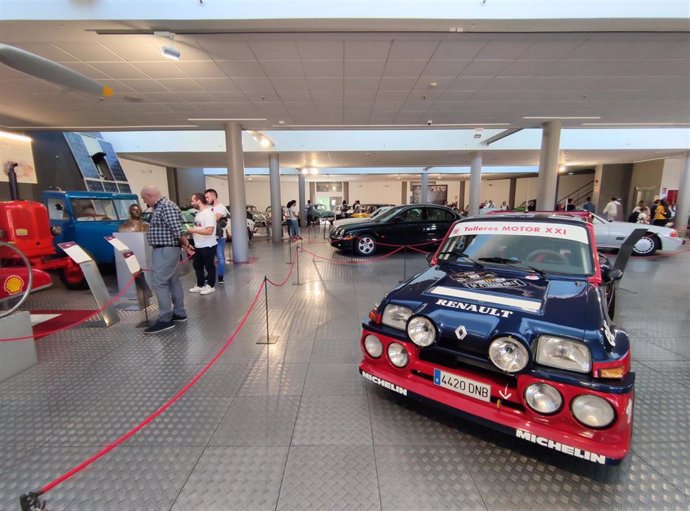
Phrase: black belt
{"type": "Point", "coordinates": [163, 246]}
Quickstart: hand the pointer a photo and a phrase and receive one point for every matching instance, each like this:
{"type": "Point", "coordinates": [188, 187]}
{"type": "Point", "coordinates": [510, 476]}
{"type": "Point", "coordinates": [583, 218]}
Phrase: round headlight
{"type": "Point", "coordinates": [397, 354]}
{"type": "Point", "coordinates": [543, 398]}
{"type": "Point", "coordinates": [373, 346]}
{"type": "Point", "coordinates": [421, 331]}
{"type": "Point", "coordinates": [592, 411]}
{"type": "Point", "coordinates": [508, 354]}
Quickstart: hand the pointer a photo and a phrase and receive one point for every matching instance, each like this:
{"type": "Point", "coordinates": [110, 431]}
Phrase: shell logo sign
{"type": "Point", "coordinates": [14, 284]}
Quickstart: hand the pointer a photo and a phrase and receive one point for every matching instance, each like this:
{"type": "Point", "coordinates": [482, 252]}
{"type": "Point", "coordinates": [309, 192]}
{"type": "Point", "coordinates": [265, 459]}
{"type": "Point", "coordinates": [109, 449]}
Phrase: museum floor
{"type": "Point", "coordinates": [292, 425]}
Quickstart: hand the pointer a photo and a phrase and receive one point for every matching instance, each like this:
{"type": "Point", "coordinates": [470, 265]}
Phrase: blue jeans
{"type": "Point", "coordinates": [166, 283]}
{"type": "Point", "coordinates": [220, 255]}
{"type": "Point", "coordinates": [295, 228]}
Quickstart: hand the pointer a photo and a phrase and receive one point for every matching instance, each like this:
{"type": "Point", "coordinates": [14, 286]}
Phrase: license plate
{"type": "Point", "coordinates": [463, 386]}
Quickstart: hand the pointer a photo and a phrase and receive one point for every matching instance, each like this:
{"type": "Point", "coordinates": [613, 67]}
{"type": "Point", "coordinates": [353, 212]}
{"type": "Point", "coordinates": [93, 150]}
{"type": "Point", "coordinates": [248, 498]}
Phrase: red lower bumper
{"type": "Point", "coordinates": [506, 410]}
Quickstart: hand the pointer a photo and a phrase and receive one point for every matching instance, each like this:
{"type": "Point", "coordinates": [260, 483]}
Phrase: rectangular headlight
{"type": "Point", "coordinates": [563, 354]}
{"type": "Point", "coordinates": [396, 316]}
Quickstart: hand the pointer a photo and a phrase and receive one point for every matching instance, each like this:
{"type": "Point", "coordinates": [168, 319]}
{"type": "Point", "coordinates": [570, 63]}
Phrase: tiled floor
{"type": "Point", "coordinates": [292, 425]}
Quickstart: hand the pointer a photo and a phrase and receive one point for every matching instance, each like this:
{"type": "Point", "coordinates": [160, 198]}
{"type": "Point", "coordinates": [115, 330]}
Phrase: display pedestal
{"type": "Point", "coordinates": [136, 243]}
{"type": "Point", "coordinates": [15, 356]}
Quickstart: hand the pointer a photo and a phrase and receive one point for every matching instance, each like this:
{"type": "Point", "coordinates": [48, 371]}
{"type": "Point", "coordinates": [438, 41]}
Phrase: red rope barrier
{"type": "Point", "coordinates": [81, 466]}
{"type": "Point", "coordinates": [81, 321]}
{"type": "Point", "coordinates": [292, 267]}
{"type": "Point", "coordinates": [370, 260]}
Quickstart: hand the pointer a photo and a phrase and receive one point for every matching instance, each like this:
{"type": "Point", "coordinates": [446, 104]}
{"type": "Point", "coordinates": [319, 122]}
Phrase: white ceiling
{"type": "Point", "coordinates": [350, 79]}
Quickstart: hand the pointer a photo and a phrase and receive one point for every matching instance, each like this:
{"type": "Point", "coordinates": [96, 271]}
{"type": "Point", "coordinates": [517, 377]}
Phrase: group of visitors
{"type": "Point", "coordinates": [660, 213]}
{"type": "Point", "coordinates": [166, 237]}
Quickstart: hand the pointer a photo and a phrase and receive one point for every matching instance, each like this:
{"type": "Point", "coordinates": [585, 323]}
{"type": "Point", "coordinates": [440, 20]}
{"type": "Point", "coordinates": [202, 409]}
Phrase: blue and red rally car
{"type": "Point", "coordinates": [511, 326]}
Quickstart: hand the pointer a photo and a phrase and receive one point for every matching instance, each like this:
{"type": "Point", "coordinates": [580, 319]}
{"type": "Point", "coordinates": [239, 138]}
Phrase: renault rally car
{"type": "Point", "coordinates": [510, 326]}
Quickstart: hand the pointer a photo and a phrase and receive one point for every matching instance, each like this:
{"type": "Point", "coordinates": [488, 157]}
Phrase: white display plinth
{"type": "Point", "coordinates": [15, 356]}
{"type": "Point", "coordinates": [136, 243]}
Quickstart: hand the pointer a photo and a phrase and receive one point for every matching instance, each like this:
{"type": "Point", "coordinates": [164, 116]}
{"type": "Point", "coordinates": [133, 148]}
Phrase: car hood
{"type": "Point", "coordinates": [470, 307]}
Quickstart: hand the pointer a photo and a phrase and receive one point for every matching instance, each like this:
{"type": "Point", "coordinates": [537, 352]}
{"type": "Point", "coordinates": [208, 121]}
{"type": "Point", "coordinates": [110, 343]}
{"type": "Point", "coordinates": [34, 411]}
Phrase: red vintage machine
{"type": "Point", "coordinates": [26, 225]}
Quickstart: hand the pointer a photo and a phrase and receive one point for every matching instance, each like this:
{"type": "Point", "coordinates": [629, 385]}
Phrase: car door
{"type": "Point", "coordinates": [406, 228]}
{"type": "Point", "coordinates": [602, 232]}
{"type": "Point", "coordinates": [437, 221]}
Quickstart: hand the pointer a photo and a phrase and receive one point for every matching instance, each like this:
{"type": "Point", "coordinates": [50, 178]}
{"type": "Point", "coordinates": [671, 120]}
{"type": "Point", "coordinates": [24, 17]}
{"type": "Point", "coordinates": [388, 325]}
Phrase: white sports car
{"type": "Point", "coordinates": [613, 234]}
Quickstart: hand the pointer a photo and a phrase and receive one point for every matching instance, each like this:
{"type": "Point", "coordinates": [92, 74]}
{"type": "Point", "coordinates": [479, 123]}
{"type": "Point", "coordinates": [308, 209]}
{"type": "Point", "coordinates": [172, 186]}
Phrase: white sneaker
{"type": "Point", "coordinates": [207, 290]}
{"type": "Point", "coordinates": [197, 289]}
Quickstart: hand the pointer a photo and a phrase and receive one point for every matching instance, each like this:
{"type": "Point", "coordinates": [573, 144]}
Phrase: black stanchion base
{"type": "Point", "coordinates": [31, 502]}
{"type": "Point", "coordinates": [271, 339]}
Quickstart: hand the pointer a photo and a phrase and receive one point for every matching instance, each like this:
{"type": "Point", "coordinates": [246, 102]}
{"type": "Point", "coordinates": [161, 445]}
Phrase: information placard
{"type": "Point", "coordinates": [75, 252]}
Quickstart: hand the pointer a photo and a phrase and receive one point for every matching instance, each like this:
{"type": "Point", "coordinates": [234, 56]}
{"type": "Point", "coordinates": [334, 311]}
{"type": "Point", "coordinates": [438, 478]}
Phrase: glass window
{"type": "Point", "coordinates": [122, 207]}
{"type": "Point", "coordinates": [411, 215]}
{"type": "Point", "coordinates": [94, 210]}
{"type": "Point", "coordinates": [56, 209]}
{"type": "Point", "coordinates": [325, 187]}
{"type": "Point", "coordinates": [439, 215]}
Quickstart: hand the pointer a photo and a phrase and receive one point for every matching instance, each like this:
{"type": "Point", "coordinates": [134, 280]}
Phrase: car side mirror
{"type": "Point", "coordinates": [613, 274]}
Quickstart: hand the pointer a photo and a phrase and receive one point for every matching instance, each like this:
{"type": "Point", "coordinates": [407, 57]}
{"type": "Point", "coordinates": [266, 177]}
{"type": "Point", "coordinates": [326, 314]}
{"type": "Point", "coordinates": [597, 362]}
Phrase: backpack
{"type": "Point", "coordinates": [221, 224]}
{"type": "Point", "coordinates": [667, 212]}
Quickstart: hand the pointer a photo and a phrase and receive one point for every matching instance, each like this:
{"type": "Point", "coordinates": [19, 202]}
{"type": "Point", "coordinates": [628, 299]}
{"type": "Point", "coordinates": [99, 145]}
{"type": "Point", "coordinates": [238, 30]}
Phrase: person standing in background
{"type": "Point", "coordinates": [611, 209]}
{"type": "Point", "coordinates": [165, 237]}
{"type": "Point", "coordinates": [293, 211]}
{"type": "Point", "coordinates": [204, 232]}
{"type": "Point", "coordinates": [569, 204]}
{"type": "Point", "coordinates": [222, 215]}
{"type": "Point", "coordinates": [589, 205]}
{"type": "Point", "coordinates": [662, 213]}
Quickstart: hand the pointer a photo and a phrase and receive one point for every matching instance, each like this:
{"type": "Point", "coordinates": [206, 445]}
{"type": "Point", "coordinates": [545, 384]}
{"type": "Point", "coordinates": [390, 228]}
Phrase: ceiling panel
{"type": "Point", "coordinates": [459, 50]}
{"type": "Point", "coordinates": [202, 69]}
{"type": "Point", "coordinates": [120, 70]}
{"type": "Point", "coordinates": [280, 49]}
{"type": "Point", "coordinates": [503, 49]}
{"type": "Point", "coordinates": [404, 83]}
{"type": "Point", "coordinates": [404, 67]}
{"type": "Point", "coordinates": [364, 67]}
{"type": "Point", "coordinates": [485, 67]}
{"type": "Point", "coordinates": [549, 49]}
{"type": "Point", "coordinates": [324, 83]}
{"type": "Point", "coordinates": [158, 70]}
{"type": "Point", "coordinates": [46, 50]}
{"type": "Point", "coordinates": [181, 85]}
{"type": "Point", "coordinates": [88, 52]}
{"type": "Point", "coordinates": [225, 47]}
{"type": "Point", "coordinates": [412, 50]}
{"type": "Point", "coordinates": [320, 50]}
{"type": "Point", "coordinates": [323, 68]}
{"type": "Point", "coordinates": [283, 68]}
{"type": "Point", "coordinates": [249, 84]}
{"type": "Point", "coordinates": [216, 84]}
{"type": "Point", "coordinates": [80, 67]}
{"type": "Point", "coordinates": [362, 83]}
{"type": "Point", "coordinates": [241, 68]}
{"type": "Point", "coordinates": [283, 84]}
{"type": "Point", "coordinates": [229, 95]}
{"type": "Point", "coordinates": [142, 49]}
{"type": "Point", "coordinates": [446, 67]}
{"type": "Point", "coordinates": [366, 49]}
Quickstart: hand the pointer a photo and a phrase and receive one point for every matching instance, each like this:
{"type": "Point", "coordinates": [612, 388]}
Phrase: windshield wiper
{"type": "Point", "coordinates": [512, 260]}
{"type": "Point", "coordinates": [476, 263]}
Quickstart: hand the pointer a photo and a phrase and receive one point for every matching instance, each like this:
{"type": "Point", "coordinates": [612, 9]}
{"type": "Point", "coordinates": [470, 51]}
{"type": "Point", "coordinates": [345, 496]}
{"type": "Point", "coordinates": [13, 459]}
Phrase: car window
{"type": "Point", "coordinates": [93, 209]}
{"type": "Point", "coordinates": [56, 209]}
{"type": "Point", "coordinates": [439, 215]}
{"type": "Point", "coordinates": [411, 215]}
{"type": "Point", "coordinates": [122, 207]}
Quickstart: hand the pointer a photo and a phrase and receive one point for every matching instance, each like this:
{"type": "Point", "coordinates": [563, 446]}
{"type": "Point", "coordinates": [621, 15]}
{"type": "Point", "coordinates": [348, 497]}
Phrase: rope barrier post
{"type": "Point", "coordinates": [297, 265]}
{"type": "Point", "coordinates": [404, 264]}
{"type": "Point", "coordinates": [290, 252]}
{"type": "Point", "coordinates": [270, 339]}
{"type": "Point", "coordinates": [30, 502]}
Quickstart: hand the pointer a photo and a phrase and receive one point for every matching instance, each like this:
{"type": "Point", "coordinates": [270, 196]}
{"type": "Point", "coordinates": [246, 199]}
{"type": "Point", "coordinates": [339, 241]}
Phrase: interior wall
{"type": "Point", "coordinates": [372, 192]}
{"type": "Point", "coordinates": [189, 181]}
{"type": "Point", "coordinates": [141, 174]}
{"type": "Point", "coordinates": [257, 191]}
{"type": "Point", "coordinates": [670, 178]}
{"type": "Point", "coordinates": [576, 185]}
{"type": "Point", "coordinates": [644, 174]}
{"type": "Point", "coordinates": [526, 189]}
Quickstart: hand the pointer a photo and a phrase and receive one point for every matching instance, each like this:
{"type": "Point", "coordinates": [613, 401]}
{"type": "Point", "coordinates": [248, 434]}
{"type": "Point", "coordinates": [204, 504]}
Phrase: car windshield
{"type": "Point", "coordinates": [542, 246]}
{"type": "Point", "coordinates": [387, 215]}
{"type": "Point", "coordinates": [380, 212]}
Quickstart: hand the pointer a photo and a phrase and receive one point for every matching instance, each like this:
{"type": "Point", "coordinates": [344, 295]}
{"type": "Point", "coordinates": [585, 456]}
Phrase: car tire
{"type": "Point", "coordinates": [364, 245]}
{"type": "Point", "coordinates": [646, 245]}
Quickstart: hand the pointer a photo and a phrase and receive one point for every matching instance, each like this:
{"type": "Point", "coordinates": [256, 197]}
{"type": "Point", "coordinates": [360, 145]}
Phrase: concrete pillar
{"type": "Point", "coordinates": [424, 195]}
{"type": "Point", "coordinates": [548, 165]}
{"type": "Point", "coordinates": [302, 200]}
{"type": "Point", "coordinates": [238, 199]}
{"type": "Point", "coordinates": [475, 183]}
{"type": "Point", "coordinates": [461, 196]}
{"type": "Point", "coordinates": [683, 201]}
{"type": "Point", "coordinates": [276, 202]}
{"type": "Point", "coordinates": [511, 192]}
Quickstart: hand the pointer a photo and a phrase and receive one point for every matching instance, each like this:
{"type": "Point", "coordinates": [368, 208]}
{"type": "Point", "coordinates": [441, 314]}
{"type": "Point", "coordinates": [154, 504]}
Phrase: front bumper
{"type": "Point", "coordinates": [342, 243]}
{"type": "Point", "coordinates": [506, 410]}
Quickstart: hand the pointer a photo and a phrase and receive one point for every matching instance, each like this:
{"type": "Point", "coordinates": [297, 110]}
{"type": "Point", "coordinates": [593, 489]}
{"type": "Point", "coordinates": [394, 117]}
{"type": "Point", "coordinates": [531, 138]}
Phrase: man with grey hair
{"type": "Point", "coordinates": [165, 237]}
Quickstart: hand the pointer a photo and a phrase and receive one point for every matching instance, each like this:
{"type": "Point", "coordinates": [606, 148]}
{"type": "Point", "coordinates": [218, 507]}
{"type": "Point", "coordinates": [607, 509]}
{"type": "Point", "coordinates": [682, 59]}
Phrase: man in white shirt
{"type": "Point", "coordinates": [204, 232]}
{"type": "Point", "coordinates": [222, 217]}
{"type": "Point", "coordinates": [611, 209]}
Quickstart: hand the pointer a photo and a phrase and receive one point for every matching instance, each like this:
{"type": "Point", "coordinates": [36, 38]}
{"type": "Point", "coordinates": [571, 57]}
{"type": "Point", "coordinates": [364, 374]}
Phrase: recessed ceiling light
{"type": "Point", "coordinates": [433, 84]}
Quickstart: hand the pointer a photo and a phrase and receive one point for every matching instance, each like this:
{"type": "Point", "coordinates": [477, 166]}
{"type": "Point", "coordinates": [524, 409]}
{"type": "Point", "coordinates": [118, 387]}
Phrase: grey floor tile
{"type": "Point", "coordinates": [258, 420]}
{"type": "Point", "coordinates": [333, 420]}
{"type": "Point", "coordinates": [235, 478]}
{"type": "Point", "coordinates": [267, 379]}
{"type": "Point", "coordinates": [333, 380]}
{"type": "Point", "coordinates": [330, 477]}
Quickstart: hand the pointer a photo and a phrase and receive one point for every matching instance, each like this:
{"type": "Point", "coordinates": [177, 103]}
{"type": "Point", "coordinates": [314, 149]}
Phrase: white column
{"type": "Point", "coordinates": [302, 200]}
{"type": "Point", "coordinates": [475, 183]}
{"type": "Point", "coordinates": [276, 203]}
{"type": "Point", "coordinates": [238, 200]}
{"type": "Point", "coordinates": [548, 165]}
{"type": "Point", "coordinates": [424, 196]}
{"type": "Point", "coordinates": [683, 202]}
{"type": "Point", "coordinates": [596, 192]}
